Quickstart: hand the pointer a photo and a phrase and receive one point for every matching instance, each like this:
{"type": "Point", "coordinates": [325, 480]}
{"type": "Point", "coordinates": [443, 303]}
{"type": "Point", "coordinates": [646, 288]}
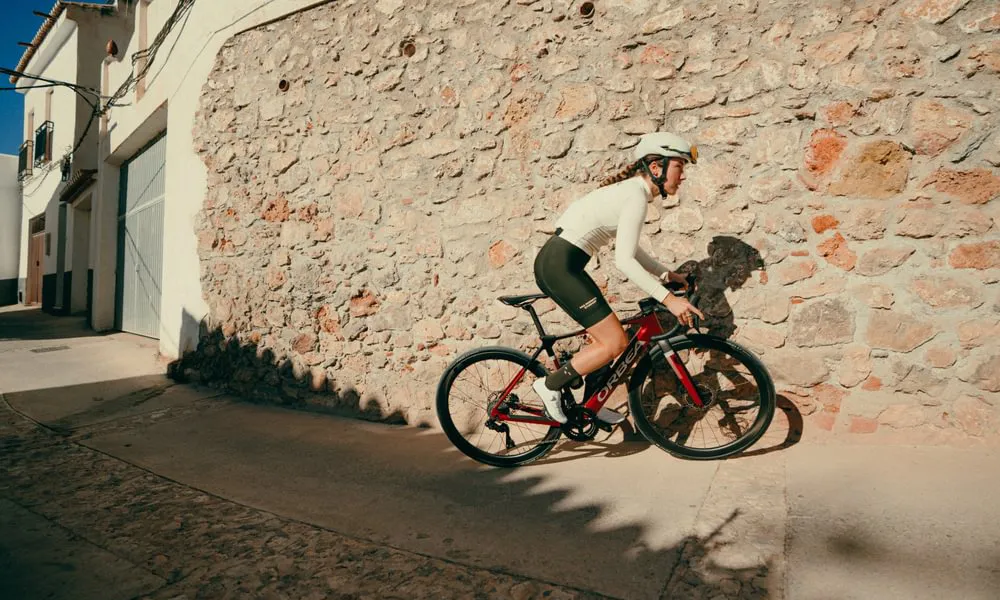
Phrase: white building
{"type": "Point", "coordinates": [151, 138]}
{"type": "Point", "coordinates": [130, 222]}
{"type": "Point", "coordinates": [58, 161]}
{"type": "Point", "coordinates": [10, 229]}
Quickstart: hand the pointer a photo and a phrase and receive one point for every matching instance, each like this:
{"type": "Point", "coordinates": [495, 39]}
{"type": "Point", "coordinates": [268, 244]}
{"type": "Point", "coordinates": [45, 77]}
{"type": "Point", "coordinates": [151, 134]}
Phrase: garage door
{"type": "Point", "coordinates": [140, 241]}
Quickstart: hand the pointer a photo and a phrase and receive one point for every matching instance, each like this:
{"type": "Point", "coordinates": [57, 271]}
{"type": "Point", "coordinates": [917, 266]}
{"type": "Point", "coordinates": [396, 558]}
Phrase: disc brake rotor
{"type": "Point", "coordinates": [707, 396]}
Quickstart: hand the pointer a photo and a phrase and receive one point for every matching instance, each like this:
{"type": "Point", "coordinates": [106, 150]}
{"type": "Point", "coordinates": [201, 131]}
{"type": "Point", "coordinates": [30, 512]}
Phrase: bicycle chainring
{"type": "Point", "coordinates": [582, 424]}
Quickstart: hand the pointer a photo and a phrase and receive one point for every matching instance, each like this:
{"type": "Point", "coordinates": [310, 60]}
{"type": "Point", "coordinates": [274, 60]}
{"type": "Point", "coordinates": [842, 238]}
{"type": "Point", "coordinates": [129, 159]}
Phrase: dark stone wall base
{"type": "Point", "coordinates": [8, 291]}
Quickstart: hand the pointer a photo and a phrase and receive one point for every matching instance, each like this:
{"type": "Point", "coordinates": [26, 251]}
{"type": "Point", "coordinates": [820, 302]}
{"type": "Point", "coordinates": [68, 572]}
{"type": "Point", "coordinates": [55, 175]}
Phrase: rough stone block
{"type": "Point", "coordinates": [823, 322]}
{"type": "Point", "coordinates": [898, 331]}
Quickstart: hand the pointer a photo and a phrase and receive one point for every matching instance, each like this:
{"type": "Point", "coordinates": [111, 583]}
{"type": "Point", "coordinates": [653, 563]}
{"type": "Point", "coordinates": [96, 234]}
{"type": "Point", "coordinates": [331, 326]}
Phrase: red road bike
{"type": "Point", "coordinates": [695, 395]}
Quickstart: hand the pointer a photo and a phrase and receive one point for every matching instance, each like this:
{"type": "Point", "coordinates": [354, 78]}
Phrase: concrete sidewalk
{"type": "Point", "coordinates": [610, 518]}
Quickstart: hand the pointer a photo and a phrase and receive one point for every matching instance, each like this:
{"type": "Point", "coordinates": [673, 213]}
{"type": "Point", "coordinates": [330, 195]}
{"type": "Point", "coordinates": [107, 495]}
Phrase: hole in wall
{"type": "Point", "coordinates": [408, 48]}
{"type": "Point", "coordinates": [587, 10]}
{"type": "Point", "coordinates": [283, 85]}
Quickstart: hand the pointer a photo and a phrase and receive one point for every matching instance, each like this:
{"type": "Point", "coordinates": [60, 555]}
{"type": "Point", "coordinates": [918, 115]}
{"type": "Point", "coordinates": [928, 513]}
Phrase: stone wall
{"type": "Point", "coordinates": [380, 171]}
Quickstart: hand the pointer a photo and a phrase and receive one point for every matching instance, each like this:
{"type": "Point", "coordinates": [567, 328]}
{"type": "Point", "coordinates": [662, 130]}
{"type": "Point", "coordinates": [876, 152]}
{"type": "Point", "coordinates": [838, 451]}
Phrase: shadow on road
{"type": "Point", "coordinates": [322, 477]}
{"type": "Point", "coordinates": [26, 324]}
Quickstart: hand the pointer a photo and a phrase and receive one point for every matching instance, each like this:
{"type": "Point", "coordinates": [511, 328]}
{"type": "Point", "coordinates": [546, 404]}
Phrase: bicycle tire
{"type": "Point", "coordinates": [766, 393]}
{"type": "Point", "coordinates": [448, 425]}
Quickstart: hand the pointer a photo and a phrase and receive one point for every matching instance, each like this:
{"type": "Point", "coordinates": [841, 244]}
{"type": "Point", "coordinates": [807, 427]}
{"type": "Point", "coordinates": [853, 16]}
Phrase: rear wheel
{"type": "Point", "coordinates": [737, 390]}
{"type": "Point", "coordinates": [470, 387]}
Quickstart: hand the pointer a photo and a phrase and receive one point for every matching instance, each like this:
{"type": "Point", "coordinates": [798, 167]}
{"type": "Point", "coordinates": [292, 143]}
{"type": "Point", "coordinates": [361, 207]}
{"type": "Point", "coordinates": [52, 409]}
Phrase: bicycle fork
{"type": "Point", "coordinates": [680, 369]}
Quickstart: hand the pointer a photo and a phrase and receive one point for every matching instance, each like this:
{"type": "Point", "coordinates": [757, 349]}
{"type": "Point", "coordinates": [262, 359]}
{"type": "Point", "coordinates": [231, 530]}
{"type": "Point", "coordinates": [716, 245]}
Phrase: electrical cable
{"type": "Point", "coordinates": [149, 53]}
{"type": "Point", "coordinates": [97, 110]}
{"type": "Point", "coordinates": [79, 89]}
{"type": "Point", "coordinates": [34, 87]}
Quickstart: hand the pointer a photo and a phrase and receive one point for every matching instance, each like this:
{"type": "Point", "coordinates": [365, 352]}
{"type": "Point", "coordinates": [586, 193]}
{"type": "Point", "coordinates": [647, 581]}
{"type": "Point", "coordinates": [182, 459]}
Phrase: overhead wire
{"type": "Point", "coordinates": [97, 110]}
{"type": "Point", "coordinates": [79, 89]}
{"type": "Point", "coordinates": [33, 87]}
{"type": "Point", "coordinates": [149, 53]}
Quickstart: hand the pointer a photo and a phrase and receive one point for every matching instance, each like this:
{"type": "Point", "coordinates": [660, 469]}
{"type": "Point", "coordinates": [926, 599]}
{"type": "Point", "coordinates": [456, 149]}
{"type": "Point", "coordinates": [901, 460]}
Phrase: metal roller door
{"type": "Point", "coordinates": [140, 240]}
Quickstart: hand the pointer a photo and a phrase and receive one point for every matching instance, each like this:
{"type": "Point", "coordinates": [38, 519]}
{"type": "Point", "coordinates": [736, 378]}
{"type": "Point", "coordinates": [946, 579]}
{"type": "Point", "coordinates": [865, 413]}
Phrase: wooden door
{"type": "Point", "coordinates": [33, 285]}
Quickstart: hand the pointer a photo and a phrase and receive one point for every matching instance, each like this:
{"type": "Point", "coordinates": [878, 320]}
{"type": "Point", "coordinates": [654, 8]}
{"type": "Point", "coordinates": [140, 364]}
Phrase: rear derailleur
{"type": "Point", "coordinates": [503, 407]}
{"type": "Point", "coordinates": [504, 429]}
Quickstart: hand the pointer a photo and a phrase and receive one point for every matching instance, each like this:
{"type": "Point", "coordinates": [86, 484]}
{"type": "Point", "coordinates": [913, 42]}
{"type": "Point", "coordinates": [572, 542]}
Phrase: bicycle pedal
{"type": "Point", "coordinates": [608, 427]}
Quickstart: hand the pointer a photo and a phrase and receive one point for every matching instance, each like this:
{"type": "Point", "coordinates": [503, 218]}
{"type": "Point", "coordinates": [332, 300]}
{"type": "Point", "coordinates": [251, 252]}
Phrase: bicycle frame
{"type": "Point", "coordinates": [650, 336]}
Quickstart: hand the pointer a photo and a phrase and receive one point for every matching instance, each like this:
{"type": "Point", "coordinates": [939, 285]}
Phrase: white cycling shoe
{"type": "Point", "coordinates": [551, 399]}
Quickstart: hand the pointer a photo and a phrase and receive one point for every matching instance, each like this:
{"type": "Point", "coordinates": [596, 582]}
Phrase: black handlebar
{"type": "Point", "coordinates": [677, 289]}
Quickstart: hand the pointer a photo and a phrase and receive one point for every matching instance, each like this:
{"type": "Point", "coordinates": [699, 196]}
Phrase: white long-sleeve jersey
{"type": "Point", "coordinates": [617, 212]}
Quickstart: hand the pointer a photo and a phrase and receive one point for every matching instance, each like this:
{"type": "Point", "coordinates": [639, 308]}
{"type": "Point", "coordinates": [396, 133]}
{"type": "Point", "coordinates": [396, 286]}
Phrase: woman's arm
{"type": "Point", "coordinates": [649, 263]}
{"type": "Point", "coordinates": [626, 250]}
{"type": "Point", "coordinates": [629, 256]}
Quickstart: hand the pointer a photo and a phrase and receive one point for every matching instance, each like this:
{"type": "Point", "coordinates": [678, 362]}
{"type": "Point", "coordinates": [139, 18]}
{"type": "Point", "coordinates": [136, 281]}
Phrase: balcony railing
{"type": "Point", "coordinates": [43, 143]}
{"type": "Point", "coordinates": [24, 161]}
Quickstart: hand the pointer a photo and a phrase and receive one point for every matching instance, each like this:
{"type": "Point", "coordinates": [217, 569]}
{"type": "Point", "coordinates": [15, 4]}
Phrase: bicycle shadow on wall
{"type": "Point", "coordinates": [730, 264]}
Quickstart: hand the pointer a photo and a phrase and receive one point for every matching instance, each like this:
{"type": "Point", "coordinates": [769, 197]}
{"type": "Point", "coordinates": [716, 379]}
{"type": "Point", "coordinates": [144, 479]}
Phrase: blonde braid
{"type": "Point", "coordinates": [623, 174]}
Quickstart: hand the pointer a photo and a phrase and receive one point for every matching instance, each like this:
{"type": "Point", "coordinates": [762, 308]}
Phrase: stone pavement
{"type": "Point", "coordinates": [80, 524]}
{"type": "Point", "coordinates": [117, 483]}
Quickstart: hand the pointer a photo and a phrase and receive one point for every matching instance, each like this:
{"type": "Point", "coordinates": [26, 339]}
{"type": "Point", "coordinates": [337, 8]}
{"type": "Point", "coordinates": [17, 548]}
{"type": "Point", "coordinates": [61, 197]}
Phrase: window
{"type": "Point", "coordinates": [24, 161]}
{"type": "Point", "coordinates": [43, 143]}
{"type": "Point", "coordinates": [36, 224]}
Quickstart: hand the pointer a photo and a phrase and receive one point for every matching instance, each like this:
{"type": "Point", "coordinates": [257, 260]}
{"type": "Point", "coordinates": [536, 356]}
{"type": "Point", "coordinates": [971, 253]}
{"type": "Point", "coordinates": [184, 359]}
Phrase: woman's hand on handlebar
{"type": "Point", "coordinates": [682, 309]}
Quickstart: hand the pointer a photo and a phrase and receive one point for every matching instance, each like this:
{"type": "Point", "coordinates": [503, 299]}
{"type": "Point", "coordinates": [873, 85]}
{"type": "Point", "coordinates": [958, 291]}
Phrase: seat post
{"type": "Point", "coordinates": [534, 317]}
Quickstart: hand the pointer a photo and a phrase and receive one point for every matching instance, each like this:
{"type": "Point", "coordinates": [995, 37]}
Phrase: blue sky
{"type": "Point", "coordinates": [17, 25]}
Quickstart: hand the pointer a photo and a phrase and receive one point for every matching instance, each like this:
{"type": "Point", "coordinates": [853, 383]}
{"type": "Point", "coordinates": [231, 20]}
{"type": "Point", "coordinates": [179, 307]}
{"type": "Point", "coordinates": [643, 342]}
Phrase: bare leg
{"type": "Point", "coordinates": [609, 341]}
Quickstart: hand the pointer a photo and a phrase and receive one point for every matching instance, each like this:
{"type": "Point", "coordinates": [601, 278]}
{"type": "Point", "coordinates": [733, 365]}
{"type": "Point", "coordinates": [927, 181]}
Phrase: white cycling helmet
{"type": "Point", "coordinates": [662, 143]}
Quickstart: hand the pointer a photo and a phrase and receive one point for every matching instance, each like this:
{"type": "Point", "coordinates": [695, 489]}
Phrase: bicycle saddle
{"type": "Point", "coordinates": [520, 301]}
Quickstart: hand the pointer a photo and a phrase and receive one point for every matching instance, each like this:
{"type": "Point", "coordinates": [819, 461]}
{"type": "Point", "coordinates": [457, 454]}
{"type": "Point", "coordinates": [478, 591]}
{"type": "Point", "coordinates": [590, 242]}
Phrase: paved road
{"type": "Point", "coordinates": [117, 483]}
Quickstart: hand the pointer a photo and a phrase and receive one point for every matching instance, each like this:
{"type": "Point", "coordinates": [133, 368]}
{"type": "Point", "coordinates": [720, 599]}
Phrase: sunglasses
{"type": "Point", "coordinates": [692, 155]}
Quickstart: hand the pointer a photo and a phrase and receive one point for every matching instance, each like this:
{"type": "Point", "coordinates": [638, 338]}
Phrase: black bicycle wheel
{"type": "Point", "coordinates": [465, 393]}
{"type": "Point", "coordinates": [738, 389]}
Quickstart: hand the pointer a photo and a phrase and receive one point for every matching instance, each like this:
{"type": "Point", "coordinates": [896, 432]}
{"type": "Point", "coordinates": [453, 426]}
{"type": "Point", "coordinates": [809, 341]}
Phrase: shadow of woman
{"type": "Point", "coordinates": [729, 265]}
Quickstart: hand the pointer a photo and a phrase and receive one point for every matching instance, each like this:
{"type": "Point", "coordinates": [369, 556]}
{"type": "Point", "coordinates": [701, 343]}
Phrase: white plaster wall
{"type": "Point", "coordinates": [10, 217]}
{"type": "Point", "coordinates": [176, 79]}
{"type": "Point", "coordinates": [41, 188]}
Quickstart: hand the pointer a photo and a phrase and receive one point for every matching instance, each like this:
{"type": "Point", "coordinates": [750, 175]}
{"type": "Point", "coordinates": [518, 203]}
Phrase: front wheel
{"type": "Point", "coordinates": [738, 395]}
{"type": "Point", "coordinates": [467, 392]}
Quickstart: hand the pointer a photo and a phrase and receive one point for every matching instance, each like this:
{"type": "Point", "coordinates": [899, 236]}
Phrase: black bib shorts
{"type": "Point", "coordinates": [559, 272]}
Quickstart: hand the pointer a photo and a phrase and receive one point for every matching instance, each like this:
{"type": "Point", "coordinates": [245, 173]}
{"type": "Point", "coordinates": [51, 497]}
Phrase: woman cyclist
{"type": "Point", "coordinates": [616, 210]}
